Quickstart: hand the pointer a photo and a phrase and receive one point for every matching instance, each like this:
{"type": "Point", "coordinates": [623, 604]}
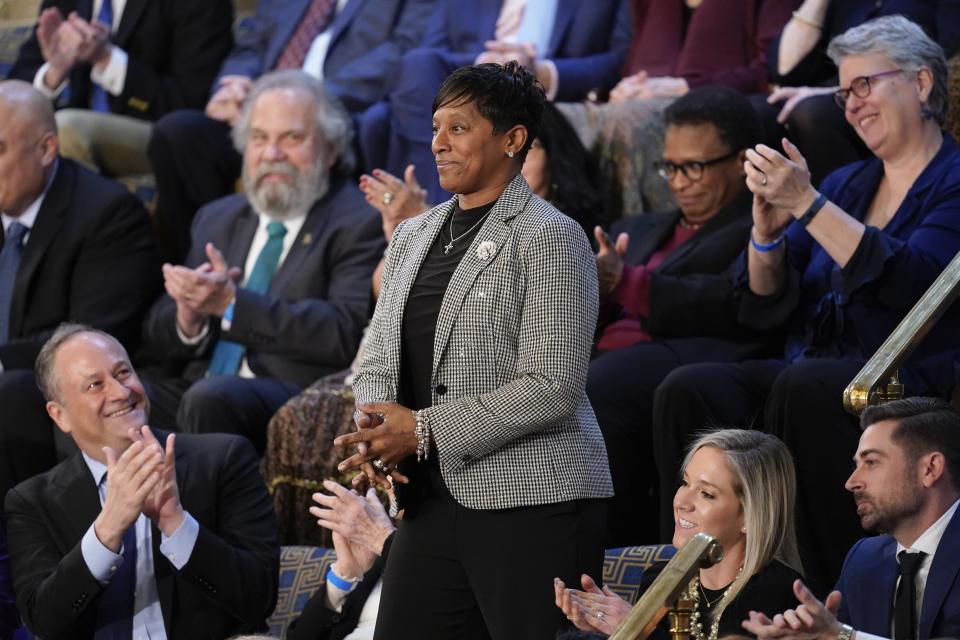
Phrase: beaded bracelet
{"type": "Point", "coordinates": [344, 584]}
{"type": "Point", "coordinates": [812, 210]}
{"type": "Point", "coordinates": [765, 248]}
{"type": "Point", "coordinates": [423, 436]}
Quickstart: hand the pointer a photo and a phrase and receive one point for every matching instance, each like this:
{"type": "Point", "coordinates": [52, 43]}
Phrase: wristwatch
{"type": "Point", "coordinates": [846, 632]}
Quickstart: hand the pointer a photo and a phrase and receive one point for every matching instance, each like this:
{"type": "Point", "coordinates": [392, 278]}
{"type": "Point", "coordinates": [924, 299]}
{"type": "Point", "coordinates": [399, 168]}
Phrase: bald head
{"type": "Point", "coordinates": [28, 145]}
{"type": "Point", "coordinates": [21, 100]}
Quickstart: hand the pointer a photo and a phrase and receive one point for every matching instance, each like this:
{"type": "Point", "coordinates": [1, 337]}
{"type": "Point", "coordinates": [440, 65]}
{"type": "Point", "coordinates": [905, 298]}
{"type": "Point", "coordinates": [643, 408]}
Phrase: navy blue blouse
{"type": "Point", "coordinates": [847, 313]}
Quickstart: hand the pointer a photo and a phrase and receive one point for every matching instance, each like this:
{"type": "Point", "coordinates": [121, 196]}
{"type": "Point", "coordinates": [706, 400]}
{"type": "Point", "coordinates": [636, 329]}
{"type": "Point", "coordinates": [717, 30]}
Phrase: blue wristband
{"type": "Point", "coordinates": [764, 248]}
{"type": "Point", "coordinates": [338, 582]}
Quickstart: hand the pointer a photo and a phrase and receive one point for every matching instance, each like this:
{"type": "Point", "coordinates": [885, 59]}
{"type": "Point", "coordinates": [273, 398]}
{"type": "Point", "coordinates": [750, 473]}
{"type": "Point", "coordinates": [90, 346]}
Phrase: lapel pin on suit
{"type": "Point", "coordinates": [486, 249]}
{"type": "Point", "coordinates": [307, 238]}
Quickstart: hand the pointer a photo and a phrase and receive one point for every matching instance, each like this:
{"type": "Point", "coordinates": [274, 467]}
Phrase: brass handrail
{"type": "Point", "coordinates": [701, 550]}
{"type": "Point", "coordinates": [877, 381]}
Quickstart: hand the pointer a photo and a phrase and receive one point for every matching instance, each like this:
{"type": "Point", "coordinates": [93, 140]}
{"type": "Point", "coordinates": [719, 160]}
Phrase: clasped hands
{"type": "Point", "coordinates": [386, 432]}
{"type": "Point", "coordinates": [201, 292]}
{"type": "Point", "coordinates": [781, 188]}
{"type": "Point", "coordinates": [66, 42]}
{"type": "Point", "coordinates": [142, 479]}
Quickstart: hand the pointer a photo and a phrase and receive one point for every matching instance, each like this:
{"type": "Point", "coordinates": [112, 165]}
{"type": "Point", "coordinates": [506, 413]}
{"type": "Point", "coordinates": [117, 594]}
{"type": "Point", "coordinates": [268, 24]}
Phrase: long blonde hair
{"type": "Point", "coordinates": [765, 483]}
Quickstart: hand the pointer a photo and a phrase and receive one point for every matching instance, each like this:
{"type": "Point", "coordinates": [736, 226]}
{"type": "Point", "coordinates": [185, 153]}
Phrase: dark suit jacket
{"type": "Point", "coordinates": [588, 44]}
{"type": "Point", "coordinates": [309, 322]}
{"type": "Point", "coordinates": [368, 38]}
{"type": "Point", "coordinates": [175, 48]}
{"type": "Point", "coordinates": [229, 585]}
{"type": "Point", "coordinates": [90, 258]}
{"type": "Point", "coordinates": [869, 577]}
{"type": "Point", "coordinates": [691, 292]}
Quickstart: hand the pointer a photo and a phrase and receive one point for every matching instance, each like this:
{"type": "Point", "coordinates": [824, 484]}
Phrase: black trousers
{"type": "Point", "coordinates": [464, 573]}
{"type": "Point", "coordinates": [818, 128]}
{"type": "Point", "coordinates": [800, 403]}
{"type": "Point", "coordinates": [621, 385]}
{"type": "Point", "coordinates": [219, 404]}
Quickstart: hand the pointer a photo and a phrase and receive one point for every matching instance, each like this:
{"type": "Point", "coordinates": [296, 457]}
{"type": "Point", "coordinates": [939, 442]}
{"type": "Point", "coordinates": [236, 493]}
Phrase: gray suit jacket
{"type": "Point", "coordinates": [512, 345]}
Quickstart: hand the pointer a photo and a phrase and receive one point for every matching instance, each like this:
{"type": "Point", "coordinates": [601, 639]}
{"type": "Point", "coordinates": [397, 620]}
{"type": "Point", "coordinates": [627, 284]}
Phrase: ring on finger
{"type": "Point", "coordinates": [763, 180]}
{"type": "Point", "coordinates": [387, 197]}
{"type": "Point", "coordinates": [599, 615]}
{"type": "Point", "coordinates": [380, 465]}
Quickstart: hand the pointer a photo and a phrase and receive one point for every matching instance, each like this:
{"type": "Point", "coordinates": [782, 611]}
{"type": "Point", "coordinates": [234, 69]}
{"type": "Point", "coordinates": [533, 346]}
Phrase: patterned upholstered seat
{"type": "Point", "coordinates": [302, 570]}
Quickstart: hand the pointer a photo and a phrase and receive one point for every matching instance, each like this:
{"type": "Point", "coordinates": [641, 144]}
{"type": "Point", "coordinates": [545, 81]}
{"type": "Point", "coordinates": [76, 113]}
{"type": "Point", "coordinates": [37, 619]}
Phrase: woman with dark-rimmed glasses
{"type": "Point", "coordinates": [837, 268]}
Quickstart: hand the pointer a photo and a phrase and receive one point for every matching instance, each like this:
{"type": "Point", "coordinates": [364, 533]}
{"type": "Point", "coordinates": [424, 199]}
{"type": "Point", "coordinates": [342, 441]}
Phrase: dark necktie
{"type": "Point", "coordinates": [98, 97]}
{"type": "Point", "coordinates": [9, 263]}
{"type": "Point", "coordinates": [227, 355]}
{"type": "Point", "coordinates": [315, 21]}
{"type": "Point", "coordinates": [904, 604]}
{"type": "Point", "coordinates": [115, 606]}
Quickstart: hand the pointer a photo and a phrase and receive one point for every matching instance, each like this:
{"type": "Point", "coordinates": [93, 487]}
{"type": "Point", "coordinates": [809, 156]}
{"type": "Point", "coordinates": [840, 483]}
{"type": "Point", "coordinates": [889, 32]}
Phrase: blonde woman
{"type": "Point", "coordinates": [739, 487]}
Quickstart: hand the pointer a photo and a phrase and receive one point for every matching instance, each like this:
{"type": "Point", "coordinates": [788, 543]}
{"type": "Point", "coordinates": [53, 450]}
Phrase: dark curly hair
{"type": "Point", "coordinates": [727, 109]}
{"type": "Point", "coordinates": [506, 95]}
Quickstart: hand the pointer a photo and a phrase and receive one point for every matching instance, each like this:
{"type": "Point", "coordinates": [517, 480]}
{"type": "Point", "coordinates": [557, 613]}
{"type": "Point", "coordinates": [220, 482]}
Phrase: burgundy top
{"type": "Point", "coordinates": [722, 42]}
{"type": "Point", "coordinates": [633, 294]}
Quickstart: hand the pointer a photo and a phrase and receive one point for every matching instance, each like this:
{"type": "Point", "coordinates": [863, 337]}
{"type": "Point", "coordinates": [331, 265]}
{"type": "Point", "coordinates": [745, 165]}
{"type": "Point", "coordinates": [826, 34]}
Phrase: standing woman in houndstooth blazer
{"type": "Point", "coordinates": [471, 391]}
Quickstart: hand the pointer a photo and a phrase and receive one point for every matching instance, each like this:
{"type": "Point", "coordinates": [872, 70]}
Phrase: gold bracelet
{"type": "Point", "coordinates": [810, 23]}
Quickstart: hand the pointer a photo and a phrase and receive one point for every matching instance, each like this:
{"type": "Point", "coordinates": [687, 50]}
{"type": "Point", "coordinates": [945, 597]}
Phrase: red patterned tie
{"type": "Point", "coordinates": [317, 18]}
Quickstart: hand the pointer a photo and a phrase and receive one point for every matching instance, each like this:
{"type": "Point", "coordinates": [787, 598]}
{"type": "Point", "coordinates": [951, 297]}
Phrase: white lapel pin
{"type": "Point", "coordinates": [486, 249]}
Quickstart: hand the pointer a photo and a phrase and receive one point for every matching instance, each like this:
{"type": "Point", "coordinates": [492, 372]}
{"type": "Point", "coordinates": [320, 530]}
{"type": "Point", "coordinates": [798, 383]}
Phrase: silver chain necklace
{"type": "Point", "coordinates": [448, 248]}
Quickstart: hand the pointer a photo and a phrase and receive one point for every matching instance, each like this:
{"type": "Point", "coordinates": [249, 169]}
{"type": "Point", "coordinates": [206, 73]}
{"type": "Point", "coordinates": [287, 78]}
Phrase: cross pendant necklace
{"type": "Point", "coordinates": [449, 247]}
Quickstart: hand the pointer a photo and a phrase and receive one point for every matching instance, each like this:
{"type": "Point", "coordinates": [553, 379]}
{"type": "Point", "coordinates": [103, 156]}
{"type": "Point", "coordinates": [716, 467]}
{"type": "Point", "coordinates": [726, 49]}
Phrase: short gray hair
{"type": "Point", "coordinates": [907, 46]}
{"type": "Point", "coordinates": [333, 121]}
{"type": "Point", "coordinates": [43, 368]}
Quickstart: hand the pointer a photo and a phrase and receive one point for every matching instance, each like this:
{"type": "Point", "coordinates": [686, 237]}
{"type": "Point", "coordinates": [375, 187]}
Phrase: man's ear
{"type": "Point", "coordinates": [931, 468]}
{"type": "Point", "coordinates": [57, 414]}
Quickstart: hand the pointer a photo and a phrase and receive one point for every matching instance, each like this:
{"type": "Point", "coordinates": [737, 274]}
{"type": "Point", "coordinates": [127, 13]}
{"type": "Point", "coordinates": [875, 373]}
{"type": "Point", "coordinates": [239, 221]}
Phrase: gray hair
{"type": "Point", "coordinates": [906, 45]}
{"type": "Point", "coordinates": [333, 121]}
{"type": "Point", "coordinates": [43, 368]}
{"type": "Point", "coordinates": [765, 483]}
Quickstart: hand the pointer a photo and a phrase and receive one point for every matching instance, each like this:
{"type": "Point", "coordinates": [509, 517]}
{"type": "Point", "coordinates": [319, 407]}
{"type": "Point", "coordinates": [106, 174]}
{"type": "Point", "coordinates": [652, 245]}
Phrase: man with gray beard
{"type": "Point", "coordinates": [276, 288]}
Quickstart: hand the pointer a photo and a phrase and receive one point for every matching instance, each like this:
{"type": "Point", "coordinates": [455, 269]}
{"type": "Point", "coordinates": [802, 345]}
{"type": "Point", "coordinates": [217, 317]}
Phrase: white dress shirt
{"type": "Point", "coordinates": [317, 53]}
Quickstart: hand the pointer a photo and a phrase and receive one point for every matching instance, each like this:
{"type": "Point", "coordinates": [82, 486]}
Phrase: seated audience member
{"type": "Point", "coordinates": [116, 66]}
{"type": "Point", "coordinates": [76, 247]}
{"type": "Point", "coordinates": [675, 48]}
{"type": "Point", "coordinates": [276, 289]}
{"type": "Point", "coordinates": [668, 295]}
{"type": "Point", "coordinates": [803, 107]}
{"type": "Point", "coordinates": [346, 603]}
{"type": "Point", "coordinates": [300, 435]}
{"type": "Point", "coordinates": [353, 46]}
{"type": "Point", "coordinates": [839, 269]}
{"type": "Point", "coordinates": [130, 536]}
{"type": "Point", "coordinates": [906, 486]}
{"type": "Point", "coordinates": [738, 486]}
{"type": "Point", "coordinates": [574, 48]}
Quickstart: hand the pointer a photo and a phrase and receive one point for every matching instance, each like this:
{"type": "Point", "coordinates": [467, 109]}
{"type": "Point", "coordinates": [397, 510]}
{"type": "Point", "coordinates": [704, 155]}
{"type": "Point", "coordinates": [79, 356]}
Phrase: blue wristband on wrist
{"type": "Point", "coordinates": [338, 582]}
{"type": "Point", "coordinates": [764, 248]}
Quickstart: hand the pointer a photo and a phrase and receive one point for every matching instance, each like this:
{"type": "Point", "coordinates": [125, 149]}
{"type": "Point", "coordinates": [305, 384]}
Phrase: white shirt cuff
{"type": "Point", "coordinates": [114, 75]}
{"type": "Point", "coordinates": [101, 562]}
{"type": "Point", "coordinates": [196, 340]}
{"type": "Point", "coordinates": [179, 546]}
{"type": "Point", "coordinates": [44, 89]}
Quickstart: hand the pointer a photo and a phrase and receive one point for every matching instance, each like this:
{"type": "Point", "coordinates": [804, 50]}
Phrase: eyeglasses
{"type": "Point", "coordinates": [860, 87]}
{"type": "Point", "coordinates": [692, 170]}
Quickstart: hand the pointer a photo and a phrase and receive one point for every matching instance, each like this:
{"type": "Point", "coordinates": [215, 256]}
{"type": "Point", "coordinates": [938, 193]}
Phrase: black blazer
{"type": "Point", "coordinates": [229, 584]}
{"type": "Point", "coordinates": [309, 322]}
{"type": "Point", "coordinates": [90, 258]}
{"type": "Point", "coordinates": [175, 48]}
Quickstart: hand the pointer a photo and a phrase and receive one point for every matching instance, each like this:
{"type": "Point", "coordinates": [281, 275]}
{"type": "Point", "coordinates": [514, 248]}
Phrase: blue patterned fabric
{"type": "Point", "coordinates": [9, 263]}
{"type": "Point", "coordinates": [302, 571]}
{"type": "Point", "coordinates": [623, 567]}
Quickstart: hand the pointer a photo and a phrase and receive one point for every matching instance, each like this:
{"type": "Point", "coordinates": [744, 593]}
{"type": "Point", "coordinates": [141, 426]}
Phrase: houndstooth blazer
{"type": "Point", "coordinates": [512, 345]}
